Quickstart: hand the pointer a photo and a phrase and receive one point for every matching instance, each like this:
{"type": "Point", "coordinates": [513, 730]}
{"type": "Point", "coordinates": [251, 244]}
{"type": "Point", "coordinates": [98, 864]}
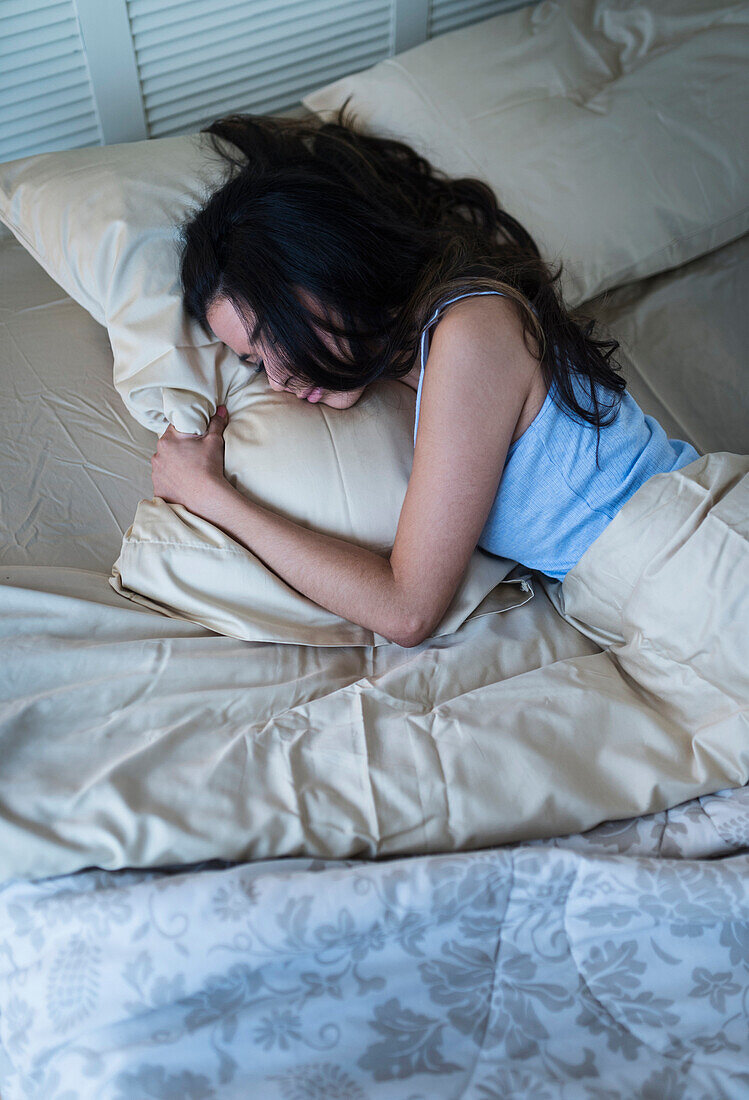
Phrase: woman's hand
{"type": "Point", "coordinates": [187, 468]}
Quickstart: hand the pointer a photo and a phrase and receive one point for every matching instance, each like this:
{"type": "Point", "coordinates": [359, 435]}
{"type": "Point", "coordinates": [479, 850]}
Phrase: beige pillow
{"type": "Point", "coordinates": [314, 465]}
{"type": "Point", "coordinates": [616, 133]}
{"type": "Point", "coordinates": [103, 223]}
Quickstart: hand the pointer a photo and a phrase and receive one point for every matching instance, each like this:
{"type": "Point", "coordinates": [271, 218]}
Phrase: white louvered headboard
{"type": "Point", "coordinates": [85, 72]}
{"type": "Point", "coordinates": [46, 98]}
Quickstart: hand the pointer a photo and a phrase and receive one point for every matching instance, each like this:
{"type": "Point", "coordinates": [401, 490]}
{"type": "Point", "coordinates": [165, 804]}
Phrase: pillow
{"type": "Point", "coordinates": [614, 132]}
{"type": "Point", "coordinates": [312, 464]}
{"type": "Point", "coordinates": [683, 337]}
{"type": "Point", "coordinates": [103, 223]}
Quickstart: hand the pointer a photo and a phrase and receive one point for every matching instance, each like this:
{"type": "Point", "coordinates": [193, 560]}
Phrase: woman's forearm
{"type": "Point", "coordinates": [348, 580]}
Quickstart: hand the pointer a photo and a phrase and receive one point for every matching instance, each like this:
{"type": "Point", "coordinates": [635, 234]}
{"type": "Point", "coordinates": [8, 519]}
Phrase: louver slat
{"type": "Point", "coordinates": [36, 77]}
{"type": "Point", "coordinates": [35, 21]}
{"type": "Point", "coordinates": [255, 32]}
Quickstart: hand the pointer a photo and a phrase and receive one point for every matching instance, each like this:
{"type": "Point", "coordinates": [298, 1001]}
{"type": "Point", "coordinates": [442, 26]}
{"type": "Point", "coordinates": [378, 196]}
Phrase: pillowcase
{"type": "Point", "coordinates": [103, 222]}
{"type": "Point", "coordinates": [312, 464]}
{"type": "Point", "coordinates": [614, 132]}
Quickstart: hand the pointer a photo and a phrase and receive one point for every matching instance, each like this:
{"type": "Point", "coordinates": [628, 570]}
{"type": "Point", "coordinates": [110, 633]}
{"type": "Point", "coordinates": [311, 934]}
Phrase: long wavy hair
{"type": "Point", "coordinates": [380, 238]}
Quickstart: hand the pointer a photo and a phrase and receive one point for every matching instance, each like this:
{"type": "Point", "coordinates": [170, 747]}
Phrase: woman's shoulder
{"type": "Point", "coordinates": [470, 307]}
{"type": "Point", "coordinates": [489, 318]}
{"type": "Point", "coordinates": [486, 325]}
{"type": "Point", "coordinates": [483, 335]}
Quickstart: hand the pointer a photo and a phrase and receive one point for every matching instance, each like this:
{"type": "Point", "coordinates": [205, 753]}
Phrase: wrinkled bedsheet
{"type": "Point", "coordinates": [606, 966]}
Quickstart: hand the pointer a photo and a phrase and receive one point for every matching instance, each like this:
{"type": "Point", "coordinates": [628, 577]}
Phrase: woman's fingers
{"type": "Point", "coordinates": [218, 421]}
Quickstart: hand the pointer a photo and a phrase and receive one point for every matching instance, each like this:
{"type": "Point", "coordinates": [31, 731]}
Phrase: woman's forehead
{"type": "Point", "coordinates": [227, 325]}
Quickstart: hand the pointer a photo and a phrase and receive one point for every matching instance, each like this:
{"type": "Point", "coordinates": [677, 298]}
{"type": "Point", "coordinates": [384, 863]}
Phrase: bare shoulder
{"type": "Point", "coordinates": [489, 327]}
{"type": "Point", "coordinates": [478, 354]}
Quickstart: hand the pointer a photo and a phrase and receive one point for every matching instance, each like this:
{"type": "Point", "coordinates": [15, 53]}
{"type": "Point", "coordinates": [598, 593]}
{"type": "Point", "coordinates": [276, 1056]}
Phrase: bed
{"type": "Point", "coordinates": [622, 969]}
{"type": "Point", "coordinates": [603, 964]}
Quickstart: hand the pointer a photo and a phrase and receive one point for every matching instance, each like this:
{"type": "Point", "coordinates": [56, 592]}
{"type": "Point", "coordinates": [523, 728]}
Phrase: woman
{"type": "Point", "coordinates": [333, 259]}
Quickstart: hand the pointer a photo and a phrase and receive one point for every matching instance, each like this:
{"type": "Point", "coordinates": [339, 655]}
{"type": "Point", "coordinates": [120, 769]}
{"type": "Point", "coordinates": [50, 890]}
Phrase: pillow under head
{"type": "Point", "coordinates": [104, 223]}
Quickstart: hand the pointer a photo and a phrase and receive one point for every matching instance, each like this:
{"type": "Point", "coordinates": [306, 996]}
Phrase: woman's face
{"type": "Point", "coordinates": [227, 327]}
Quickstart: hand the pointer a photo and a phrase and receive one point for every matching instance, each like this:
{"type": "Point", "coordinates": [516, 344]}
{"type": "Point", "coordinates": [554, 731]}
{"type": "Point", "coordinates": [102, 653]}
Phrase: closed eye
{"type": "Point", "coordinates": [246, 359]}
{"type": "Point", "coordinates": [260, 367]}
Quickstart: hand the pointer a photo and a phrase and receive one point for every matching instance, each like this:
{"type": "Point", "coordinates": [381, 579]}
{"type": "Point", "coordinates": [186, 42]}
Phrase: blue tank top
{"type": "Point", "coordinates": [553, 501]}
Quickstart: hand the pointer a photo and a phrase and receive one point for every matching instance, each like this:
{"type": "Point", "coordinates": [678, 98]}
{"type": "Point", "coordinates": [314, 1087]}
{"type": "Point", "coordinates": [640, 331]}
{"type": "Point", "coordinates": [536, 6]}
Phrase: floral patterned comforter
{"type": "Point", "coordinates": [604, 966]}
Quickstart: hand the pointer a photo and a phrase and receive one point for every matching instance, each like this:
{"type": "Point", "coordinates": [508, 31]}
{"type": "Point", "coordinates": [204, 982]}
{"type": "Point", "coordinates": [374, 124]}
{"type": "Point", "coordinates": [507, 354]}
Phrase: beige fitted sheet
{"type": "Point", "coordinates": [74, 462]}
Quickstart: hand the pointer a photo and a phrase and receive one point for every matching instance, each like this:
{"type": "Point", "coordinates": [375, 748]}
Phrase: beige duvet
{"type": "Point", "coordinates": [127, 738]}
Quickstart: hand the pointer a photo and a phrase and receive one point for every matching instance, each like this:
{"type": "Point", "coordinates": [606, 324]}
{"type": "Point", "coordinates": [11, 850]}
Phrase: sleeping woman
{"type": "Point", "coordinates": [331, 259]}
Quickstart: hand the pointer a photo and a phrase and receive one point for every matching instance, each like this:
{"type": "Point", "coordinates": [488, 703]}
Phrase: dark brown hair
{"type": "Point", "coordinates": [380, 238]}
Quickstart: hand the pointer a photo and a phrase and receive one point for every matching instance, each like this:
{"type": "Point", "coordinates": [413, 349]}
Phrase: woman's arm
{"type": "Point", "coordinates": [348, 580]}
{"type": "Point", "coordinates": [477, 380]}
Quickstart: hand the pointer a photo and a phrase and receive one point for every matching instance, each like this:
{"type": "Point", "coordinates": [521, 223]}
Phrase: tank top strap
{"type": "Point", "coordinates": [424, 350]}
